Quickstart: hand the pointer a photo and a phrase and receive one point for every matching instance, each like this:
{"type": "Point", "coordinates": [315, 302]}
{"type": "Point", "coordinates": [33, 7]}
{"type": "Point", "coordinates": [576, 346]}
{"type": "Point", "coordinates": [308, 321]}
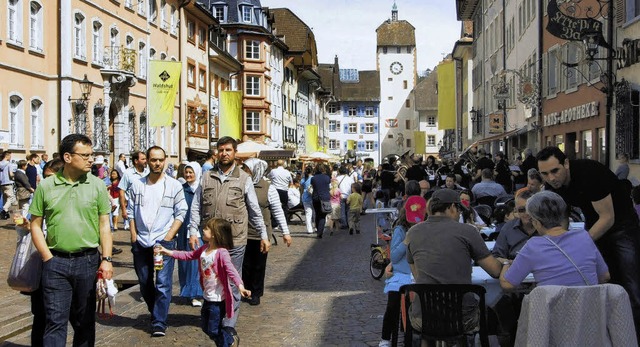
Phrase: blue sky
{"type": "Point", "coordinates": [347, 27]}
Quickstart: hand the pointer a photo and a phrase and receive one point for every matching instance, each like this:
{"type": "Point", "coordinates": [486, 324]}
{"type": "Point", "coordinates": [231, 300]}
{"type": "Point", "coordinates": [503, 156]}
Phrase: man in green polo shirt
{"type": "Point", "coordinates": [76, 207]}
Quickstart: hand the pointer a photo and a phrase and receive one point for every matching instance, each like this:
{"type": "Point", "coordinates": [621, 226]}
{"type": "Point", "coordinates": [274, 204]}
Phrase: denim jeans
{"type": "Point", "coordinates": [344, 213]}
{"type": "Point", "coordinates": [69, 291]}
{"type": "Point", "coordinates": [156, 295]}
{"type": "Point", "coordinates": [620, 249]}
{"type": "Point", "coordinates": [237, 256]}
{"type": "Point", "coordinates": [211, 317]}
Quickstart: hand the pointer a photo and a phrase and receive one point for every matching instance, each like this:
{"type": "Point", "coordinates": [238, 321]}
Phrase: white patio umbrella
{"type": "Point", "coordinates": [318, 156]}
{"type": "Point", "coordinates": [249, 149]}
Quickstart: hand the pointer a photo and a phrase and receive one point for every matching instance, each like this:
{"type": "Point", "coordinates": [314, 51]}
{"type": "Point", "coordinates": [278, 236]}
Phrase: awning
{"type": "Point", "coordinates": [499, 136]}
{"type": "Point", "coordinates": [276, 154]}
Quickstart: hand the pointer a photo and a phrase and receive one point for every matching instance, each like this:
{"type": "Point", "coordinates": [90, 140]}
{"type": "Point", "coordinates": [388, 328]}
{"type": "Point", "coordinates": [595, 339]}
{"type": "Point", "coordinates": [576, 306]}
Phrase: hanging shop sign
{"type": "Point", "coordinates": [571, 28]}
{"type": "Point", "coordinates": [572, 114]}
{"type": "Point", "coordinates": [496, 123]}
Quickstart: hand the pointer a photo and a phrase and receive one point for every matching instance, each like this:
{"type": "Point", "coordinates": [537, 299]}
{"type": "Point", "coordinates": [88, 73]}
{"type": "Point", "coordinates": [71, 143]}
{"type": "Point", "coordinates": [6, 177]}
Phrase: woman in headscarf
{"type": "Point", "coordinates": [255, 262]}
{"type": "Point", "coordinates": [188, 270]}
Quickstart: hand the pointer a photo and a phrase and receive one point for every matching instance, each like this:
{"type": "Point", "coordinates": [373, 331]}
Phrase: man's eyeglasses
{"type": "Point", "coordinates": [84, 156]}
{"type": "Point", "coordinates": [521, 209]}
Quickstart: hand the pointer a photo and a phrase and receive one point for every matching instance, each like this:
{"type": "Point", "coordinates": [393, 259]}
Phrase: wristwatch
{"type": "Point", "coordinates": [107, 259]}
{"type": "Point", "coordinates": [506, 262]}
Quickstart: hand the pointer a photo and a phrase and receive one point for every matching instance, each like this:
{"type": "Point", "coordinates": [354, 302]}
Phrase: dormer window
{"type": "Point", "coordinates": [246, 13]}
{"type": "Point", "coordinates": [220, 12]}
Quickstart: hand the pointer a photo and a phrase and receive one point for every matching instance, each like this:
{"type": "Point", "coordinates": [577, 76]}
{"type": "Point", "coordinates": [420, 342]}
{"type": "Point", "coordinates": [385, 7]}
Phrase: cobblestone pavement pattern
{"type": "Point", "coordinates": [318, 292]}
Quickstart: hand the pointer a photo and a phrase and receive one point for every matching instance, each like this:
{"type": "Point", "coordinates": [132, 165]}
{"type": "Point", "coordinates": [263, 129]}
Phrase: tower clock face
{"type": "Point", "coordinates": [396, 68]}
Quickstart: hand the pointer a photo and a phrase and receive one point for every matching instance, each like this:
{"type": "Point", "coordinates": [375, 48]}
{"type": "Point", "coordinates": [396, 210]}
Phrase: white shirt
{"type": "Point", "coordinates": [211, 293]}
{"type": "Point", "coordinates": [294, 197]}
{"type": "Point", "coordinates": [344, 183]}
{"type": "Point", "coordinates": [120, 168]}
{"type": "Point", "coordinates": [280, 178]}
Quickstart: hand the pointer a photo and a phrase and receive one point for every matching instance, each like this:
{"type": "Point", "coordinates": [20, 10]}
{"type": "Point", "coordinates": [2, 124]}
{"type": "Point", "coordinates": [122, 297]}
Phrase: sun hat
{"type": "Point", "coordinates": [416, 209]}
{"type": "Point", "coordinates": [99, 160]}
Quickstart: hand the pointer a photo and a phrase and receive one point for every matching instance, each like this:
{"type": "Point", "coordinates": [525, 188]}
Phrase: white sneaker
{"type": "Point", "coordinates": [196, 303]}
{"type": "Point", "coordinates": [384, 343]}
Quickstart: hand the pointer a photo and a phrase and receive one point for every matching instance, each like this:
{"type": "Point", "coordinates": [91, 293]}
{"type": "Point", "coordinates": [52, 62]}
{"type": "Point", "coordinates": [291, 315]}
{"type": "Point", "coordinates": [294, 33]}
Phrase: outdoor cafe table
{"type": "Point", "coordinates": [492, 285]}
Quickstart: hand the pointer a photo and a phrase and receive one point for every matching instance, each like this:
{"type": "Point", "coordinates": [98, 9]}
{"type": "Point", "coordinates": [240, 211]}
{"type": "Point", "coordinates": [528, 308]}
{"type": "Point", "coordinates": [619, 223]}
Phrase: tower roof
{"type": "Point", "coordinates": [396, 33]}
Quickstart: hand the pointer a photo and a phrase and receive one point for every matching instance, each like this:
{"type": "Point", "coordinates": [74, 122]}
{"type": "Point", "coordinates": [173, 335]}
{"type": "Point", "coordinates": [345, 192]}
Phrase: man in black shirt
{"type": "Point", "coordinates": [416, 172]}
{"type": "Point", "coordinates": [482, 163]}
{"type": "Point", "coordinates": [609, 214]}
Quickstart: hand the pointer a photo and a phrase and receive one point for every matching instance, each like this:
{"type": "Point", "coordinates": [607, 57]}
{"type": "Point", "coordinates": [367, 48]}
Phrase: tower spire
{"type": "Point", "coordinates": [394, 12]}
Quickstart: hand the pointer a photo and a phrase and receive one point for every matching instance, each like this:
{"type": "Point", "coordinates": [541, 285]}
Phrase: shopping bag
{"type": "Point", "coordinates": [26, 266]}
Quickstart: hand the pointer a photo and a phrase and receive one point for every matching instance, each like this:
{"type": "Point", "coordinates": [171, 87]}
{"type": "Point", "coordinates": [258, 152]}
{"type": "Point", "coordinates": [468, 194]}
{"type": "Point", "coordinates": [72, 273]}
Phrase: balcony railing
{"type": "Point", "coordinates": [119, 58]}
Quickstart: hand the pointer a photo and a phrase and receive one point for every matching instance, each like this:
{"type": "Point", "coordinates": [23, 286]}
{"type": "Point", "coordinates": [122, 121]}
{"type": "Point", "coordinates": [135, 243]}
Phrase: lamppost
{"type": "Point", "coordinates": [476, 119]}
{"type": "Point", "coordinates": [78, 123]}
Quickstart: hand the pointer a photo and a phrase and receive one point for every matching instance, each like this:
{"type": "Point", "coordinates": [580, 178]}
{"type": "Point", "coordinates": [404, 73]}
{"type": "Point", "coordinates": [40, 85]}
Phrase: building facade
{"type": "Point", "coordinates": [59, 43]}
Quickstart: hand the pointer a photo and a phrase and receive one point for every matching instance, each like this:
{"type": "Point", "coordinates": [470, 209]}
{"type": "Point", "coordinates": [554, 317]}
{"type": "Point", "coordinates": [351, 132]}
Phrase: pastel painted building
{"type": "Point", "coordinates": [353, 117]}
{"type": "Point", "coordinates": [48, 47]}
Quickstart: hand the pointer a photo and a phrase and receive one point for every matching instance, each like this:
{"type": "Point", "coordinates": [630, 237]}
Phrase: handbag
{"type": "Point", "coordinates": [326, 206]}
{"type": "Point", "coordinates": [26, 266]}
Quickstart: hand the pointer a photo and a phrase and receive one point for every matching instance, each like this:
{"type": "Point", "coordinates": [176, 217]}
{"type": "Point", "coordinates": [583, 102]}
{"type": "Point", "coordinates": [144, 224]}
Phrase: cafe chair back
{"type": "Point", "coordinates": [485, 212]}
{"type": "Point", "coordinates": [597, 315]}
{"type": "Point", "coordinates": [442, 312]}
{"type": "Point", "coordinates": [486, 200]}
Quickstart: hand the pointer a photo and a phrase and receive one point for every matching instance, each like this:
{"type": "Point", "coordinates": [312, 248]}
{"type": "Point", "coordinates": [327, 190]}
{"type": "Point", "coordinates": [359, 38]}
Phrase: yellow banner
{"type": "Point", "coordinates": [311, 136]}
{"type": "Point", "coordinates": [163, 81]}
{"type": "Point", "coordinates": [231, 114]}
{"type": "Point", "coordinates": [351, 144]}
{"type": "Point", "coordinates": [420, 140]}
{"type": "Point", "coordinates": [446, 95]}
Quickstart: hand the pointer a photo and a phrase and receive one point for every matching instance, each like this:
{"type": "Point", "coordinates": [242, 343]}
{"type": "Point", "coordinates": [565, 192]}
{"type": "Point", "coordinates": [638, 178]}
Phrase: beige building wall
{"type": "Point", "coordinates": [28, 92]}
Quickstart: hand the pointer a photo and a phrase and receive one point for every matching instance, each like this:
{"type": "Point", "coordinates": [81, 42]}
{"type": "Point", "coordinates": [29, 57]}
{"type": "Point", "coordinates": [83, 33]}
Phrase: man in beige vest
{"type": "Point", "coordinates": [227, 192]}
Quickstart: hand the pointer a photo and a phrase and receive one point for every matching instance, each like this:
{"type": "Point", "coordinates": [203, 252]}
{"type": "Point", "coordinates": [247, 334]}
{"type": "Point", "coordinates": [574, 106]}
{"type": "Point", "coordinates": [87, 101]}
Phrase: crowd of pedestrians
{"type": "Point", "coordinates": [218, 219]}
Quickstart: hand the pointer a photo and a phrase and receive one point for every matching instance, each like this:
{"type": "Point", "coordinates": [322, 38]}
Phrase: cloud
{"type": "Point", "coordinates": [347, 28]}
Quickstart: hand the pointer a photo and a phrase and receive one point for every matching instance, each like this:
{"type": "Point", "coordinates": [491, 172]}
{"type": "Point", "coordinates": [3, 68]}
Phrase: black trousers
{"type": "Point", "coordinates": [254, 267]}
{"type": "Point", "coordinates": [390, 320]}
{"type": "Point", "coordinates": [320, 216]}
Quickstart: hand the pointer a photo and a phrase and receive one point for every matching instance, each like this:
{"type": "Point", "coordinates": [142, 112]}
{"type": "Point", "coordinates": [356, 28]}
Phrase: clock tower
{"type": "Point", "coordinates": [396, 63]}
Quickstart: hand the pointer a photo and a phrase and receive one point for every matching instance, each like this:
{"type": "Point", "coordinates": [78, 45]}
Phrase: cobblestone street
{"type": "Point", "coordinates": [318, 293]}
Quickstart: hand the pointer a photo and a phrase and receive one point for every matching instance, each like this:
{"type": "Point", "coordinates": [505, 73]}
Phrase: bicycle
{"type": "Point", "coordinates": [381, 254]}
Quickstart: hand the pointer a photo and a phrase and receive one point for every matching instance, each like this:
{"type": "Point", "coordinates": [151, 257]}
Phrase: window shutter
{"type": "Point", "coordinates": [345, 145]}
{"type": "Point", "coordinates": [361, 145]}
{"type": "Point", "coordinates": [375, 128]}
{"type": "Point", "coordinates": [545, 74]}
{"type": "Point", "coordinates": [337, 125]}
{"type": "Point", "coordinates": [362, 128]}
{"type": "Point", "coordinates": [375, 145]}
{"type": "Point", "coordinates": [346, 128]}
{"type": "Point", "coordinates": [621, 11]}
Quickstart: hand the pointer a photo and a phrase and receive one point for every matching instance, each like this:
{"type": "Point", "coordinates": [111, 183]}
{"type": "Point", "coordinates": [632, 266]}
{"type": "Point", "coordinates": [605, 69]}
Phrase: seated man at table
{"type": "Point", "coordinates": [487, 187]}
{"type": "Point", "coordinates": [515, 233]}
{"type": "Point", "coordinates": [441, 250]}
